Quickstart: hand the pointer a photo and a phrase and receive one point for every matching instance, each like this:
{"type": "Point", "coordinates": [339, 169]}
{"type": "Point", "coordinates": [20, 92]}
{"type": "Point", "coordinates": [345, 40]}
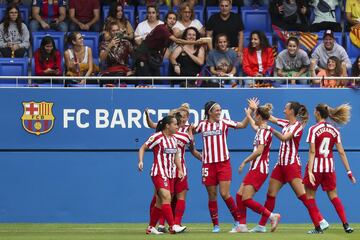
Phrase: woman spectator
{"type": "Point", "coordinates": [116, 13]}
{"type": "Point", "coordinates": [145, 27]}
{"type": "Point", "coordinates": [78, 58]}
{"type": "Point", "coordinates": [47, 59]}
{"type": "Point", "coordinates": [325, 16]}
{"type": "Point", "coordinates": [293, 61]}
{"type": "Point", "coordinates": [179, 2]}
{"type": "Point", "coordinates": [187, 60]}
{"type": "Point", "coordinates": [290, 15]}
{"type": "Point", "coordinates": [352, 10]}
{"type": "Point", "coordinates": [186, 18]}
{"type": "Point", "coordinates": [14, 35]}
{"type": "Point", "coordinates": [334, 68]}
{"type": "Point", "coordinates": [355, 71]}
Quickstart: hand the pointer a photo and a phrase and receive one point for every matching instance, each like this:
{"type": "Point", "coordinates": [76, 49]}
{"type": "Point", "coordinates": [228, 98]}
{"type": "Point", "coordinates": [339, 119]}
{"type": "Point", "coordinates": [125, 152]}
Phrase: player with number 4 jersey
{"type": "Point", "coordinates": [320, 169]}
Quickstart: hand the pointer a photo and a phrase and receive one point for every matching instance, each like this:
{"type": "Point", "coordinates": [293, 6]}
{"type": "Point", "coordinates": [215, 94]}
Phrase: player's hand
{"type": "Point", "coordinates": [248, 112]}
{"type": "Point", "coordinates": [241, 167]}
{"type": "Point", "coordinates": [181, 174]}
{"type": "Point", "coordinates": [253, 103]}
{"type": "Point", "coordinates": [311, 178]}
{"type": "Point", "coordinates": [351, 177]}
{"type": "Point", "coordinates": [140, 166]}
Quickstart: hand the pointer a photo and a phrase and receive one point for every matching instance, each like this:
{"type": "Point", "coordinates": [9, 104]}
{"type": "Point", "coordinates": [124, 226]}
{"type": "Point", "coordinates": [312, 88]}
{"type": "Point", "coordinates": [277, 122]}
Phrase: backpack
{"type": "Point", "coordinates": [324, 7]}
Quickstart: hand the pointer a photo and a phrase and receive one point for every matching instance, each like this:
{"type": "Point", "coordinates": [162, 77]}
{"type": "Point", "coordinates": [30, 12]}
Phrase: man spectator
{"type": "Point", "coordinates": [48, 14]}
{"type": "Point", "coordinates": [228, 23]}
{"type": "Point", "coordinates": [84, 15]}
{"type": "Point", "coordinates": [329, 47]}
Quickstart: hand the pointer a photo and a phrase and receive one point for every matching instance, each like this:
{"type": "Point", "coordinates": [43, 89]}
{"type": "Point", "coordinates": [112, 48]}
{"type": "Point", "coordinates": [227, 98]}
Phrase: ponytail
{"type": "Point", "coordinates": [162, 123]}
{"type": "Point", "coordinates": [340, 114]}
{"type": "Point", "coordinates": [265, 111]}
{"type": "Point", "coordinates": [300, 112]}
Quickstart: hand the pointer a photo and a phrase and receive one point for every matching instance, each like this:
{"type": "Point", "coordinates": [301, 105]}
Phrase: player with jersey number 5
{"type": "Point", "coordinates": [216, 168]}
{"type": "Point", "coordinates": [288, 167]}
{"type": "Point", "coordinates": [166, 154]}
{"type": "Point", "coordinates": [259, 167]}
{"type": "Point", "coordinates": [320, 169]}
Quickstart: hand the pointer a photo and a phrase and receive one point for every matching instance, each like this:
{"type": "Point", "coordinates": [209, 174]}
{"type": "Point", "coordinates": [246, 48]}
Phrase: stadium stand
{"type": "Point", "coordinates": [128, 10]}
{"type": "Point", "coordinates": [24, 10]}
{"type": "Point", "coordinates": [13, 67]}
{"type": "Point", "coordinates": [57, 36]}
{"type": "Point", "coordinates": [210, 10]}
{"type": "Point", "coordinates": [256, 19]}
{"type": "Point", "coordinates": [163, 10]}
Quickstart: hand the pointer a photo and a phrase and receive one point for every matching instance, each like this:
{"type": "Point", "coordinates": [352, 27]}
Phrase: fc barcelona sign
{"type": "Point", "coordinates": [37, 117]}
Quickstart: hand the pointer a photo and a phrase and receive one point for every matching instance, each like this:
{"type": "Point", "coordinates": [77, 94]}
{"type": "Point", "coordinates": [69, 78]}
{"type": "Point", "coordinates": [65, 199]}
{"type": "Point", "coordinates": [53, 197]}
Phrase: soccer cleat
{"type": "Point", "coordinates": [324, 224]}
{"type": "Point", "coordinates": [347, 228]}
{"type": "Point", "coordinates": [152, 230]}
{"type": "Point", "coordinates": [258, 229]}
{"type": "Point", "coordinates": [177, 229]}
{"type": "Point", "coordinates": [316, 231]}
{"type": "Point", "coordinates": [234, 228]}
{"type": "Point", "coordinates": [242, 228]}
{"type": "Point", "coordinates": [216, 229]}
{"type": "Point", "coordinates": [274, 220]}
{"type": "Point", "coordinates": [162, 228]}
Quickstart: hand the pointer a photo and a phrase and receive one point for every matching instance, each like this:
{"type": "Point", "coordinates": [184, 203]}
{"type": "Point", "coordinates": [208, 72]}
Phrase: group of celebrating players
{"type": "Point", "coordinates": [169, 176]}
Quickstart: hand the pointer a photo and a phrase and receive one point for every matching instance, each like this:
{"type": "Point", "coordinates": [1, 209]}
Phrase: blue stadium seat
{"type": "Point", "coordinates": [337, 14]}
{"type": "Point", "coordinates": [164, 69]}
{"type": "Point", "coordinates": [352, 50]}
{"type": "Point", "coordinates": [210, 10]}
{"type": "Point", "coordinates": [24, 11]}
{"type": "Point", "coordinates": [129, 13]}
{"type": "Point", "coordinates": [247, 38]}
{"type": "Point", "coordinates": [57, 36]}
{"type": "Point", "coordinates": [256, 19]}
{"type": "Point", "coordinates": [13, 67]}
{"type": "Point", "coordinates": [91, 39]}
{"type": "Point", "coordinates": [199, 12]}
{"type": "Point", "coordinates": [163, 10]}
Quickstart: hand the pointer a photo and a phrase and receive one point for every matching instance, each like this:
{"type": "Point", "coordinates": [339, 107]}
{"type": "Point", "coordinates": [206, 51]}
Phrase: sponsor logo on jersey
{"type": "Point", "coordinates": [170, 150]}
{"type": "Point", "coordinates": [212, 133]}
{"type": "Point", "coordinates": [37, 117]}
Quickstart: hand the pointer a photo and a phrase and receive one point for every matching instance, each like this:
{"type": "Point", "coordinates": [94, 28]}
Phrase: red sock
{"type": "Point", "coordinates": [179, 211]}
{"type": "Point", "coordinates": [154, 216]}
{"type": "Point", "coordinates": [230, 203]}
{"type": "Point", "coordinates": [339, 209]}
{"type": "Point", "coordinates": [241, 209]}
{"type": "Point", "coordinates": [319, 216]}
{"type": "Point", "coordinates": [152, 204]}
{"type": "Point", "coordinates": [269, 205]}
{"type": "Point", "coordinates": [310, 204]}
{"type": "Point", "coordinates": [167, 213]}
{"type": "Point", "coordinates": [162, 219]}
{"type": "Point", "coordinates": [257, 207]}
{"type": "Point", "coordinates": [173, 205]}
{"type": "Point", "coordinates": [213, 209]}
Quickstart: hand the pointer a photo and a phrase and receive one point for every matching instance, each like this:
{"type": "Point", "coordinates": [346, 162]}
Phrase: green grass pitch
{"type": "Point", "coordinates": [137, 232]}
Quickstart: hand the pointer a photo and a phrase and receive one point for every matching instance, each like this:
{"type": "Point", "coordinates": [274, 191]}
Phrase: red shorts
{"type": "Point", "coordinates": [326, 180]}
{"type": "Point", "coordinates": [255, 178]}
{"type": "Point", "coordinates": [286, 173]}
{"type": "Point", "coordinates": [213, 173]}
{"type": "Point", "coordinates": [160, 182]}
{"type": "Point", "coordinates": [180, 185]}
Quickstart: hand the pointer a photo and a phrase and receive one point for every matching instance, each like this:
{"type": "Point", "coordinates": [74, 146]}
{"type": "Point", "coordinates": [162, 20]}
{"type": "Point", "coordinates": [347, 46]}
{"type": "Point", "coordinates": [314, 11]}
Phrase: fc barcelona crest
{"type": "Point", "coordinates": [37, 117]}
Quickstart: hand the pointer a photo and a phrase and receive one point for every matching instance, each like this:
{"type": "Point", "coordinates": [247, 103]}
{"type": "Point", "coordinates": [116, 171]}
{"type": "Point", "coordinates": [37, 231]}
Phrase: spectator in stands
{"type": "Point", "coordinates": [115, 53]}
{"type": "Point", "coordinates": [293, 61]}
{"type": "Point", "coordinates": [17, 2]}
{"type": "Point", "coordinates": [222, 60]}
{"type": "Point", "coordinates": [116, 13]}
{"type": "Point", "coordinates": [228, 23]}
{"type": "Point", "coordinates": [355, 71]}
{"type": "Point", "coordinates": [258, 58]}
{"type": "Point", "coordinates": [352, 10]}
{"type": "Point", "coordinates": [187, 60]}
{"type": "Point", "coordinates": [325, 18]}
{"type": "Point", "coordinates": [238, 3]}
{"type": "Point", "coordinates": [328, 48]}
{"type": "Point", "coordinates": [14, 35]}
{"type": "Point", "coordinates": [179, 2]}
{"type": "Point", "coordinates": [290, 15]}
{"type": "Point", "coordinates": [256, 3]}
{"type": "Point", "coordinates": [334, 68]}
{"type": "Point", "coordinates": [78, 58]}
{"type": "Point", "coordinates": [47, 58]}
{"type": "Point", "coordinates": [49, 14]}
{"type": "Point", "coordinates": [148, 56]}
{"type": "Point", "coordinates": [187, 19]}
{"type": "Point", "coordinates": [84, 15]}
{"type": "Point", "coordinates": [145, 27]}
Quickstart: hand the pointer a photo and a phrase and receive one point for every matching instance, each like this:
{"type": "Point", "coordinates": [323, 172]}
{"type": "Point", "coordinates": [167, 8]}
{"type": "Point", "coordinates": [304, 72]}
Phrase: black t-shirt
{"type": "Point", "coordinates": [231, 27]}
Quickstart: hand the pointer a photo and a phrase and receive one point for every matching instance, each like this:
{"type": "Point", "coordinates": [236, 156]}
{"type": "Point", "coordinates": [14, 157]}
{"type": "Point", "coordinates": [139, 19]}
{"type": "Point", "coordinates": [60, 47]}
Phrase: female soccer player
{"type": "Point", "coordinates": [288, 167]}
{"type": "Point", "coordinates": [216, 168]}
{"type": "Point", "coordinates": [259, 168]}
{"type": "Point", "coordinates": [184, 137]}
{"type": "Point", "coordinates": [320, 168]}
{"type": "Point", "coordinates": [165, 148]}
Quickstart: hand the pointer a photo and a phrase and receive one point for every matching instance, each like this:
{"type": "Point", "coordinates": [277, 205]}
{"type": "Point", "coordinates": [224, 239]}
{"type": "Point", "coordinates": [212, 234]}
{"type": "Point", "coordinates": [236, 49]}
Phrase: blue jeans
{"type": "Point", "coordinates": [35, 26]}
{"type": "Point", "coordinates": [96, 27]}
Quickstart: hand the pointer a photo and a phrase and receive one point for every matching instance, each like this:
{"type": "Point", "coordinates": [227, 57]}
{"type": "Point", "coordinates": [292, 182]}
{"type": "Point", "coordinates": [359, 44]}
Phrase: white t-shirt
{"type": "Point", "coordinates": [194, 23]}
{"type": "Point", "coordinates": [143, 29]}
{"type": "Point", "coordinates": [258, 54]}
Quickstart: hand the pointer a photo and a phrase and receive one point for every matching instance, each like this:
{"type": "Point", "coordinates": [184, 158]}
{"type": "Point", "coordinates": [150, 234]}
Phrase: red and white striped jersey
{"type": "Point", "coordinates": [184, 129]}
{"type": "Point", "coordinates": [263, 137]}
{"type": "Point", "coordinates": [324, 136]}
{"type": "Point", "coordinates": [183, 139]}
{"type": "Point", "coordinates": [164, 149]}
{"type": "Point", "coordinates": [288, 152]}
{"type": "Point", "coordinates": [214, 138]}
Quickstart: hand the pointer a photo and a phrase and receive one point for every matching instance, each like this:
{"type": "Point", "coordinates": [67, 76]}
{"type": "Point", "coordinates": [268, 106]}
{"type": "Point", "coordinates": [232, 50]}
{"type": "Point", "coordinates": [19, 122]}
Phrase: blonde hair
{"type": "Point", "coordinates": [300, 112]}
{"type": "Point", "coordinates": [340, 114]}
{"type": "Point", "coordinates": [185, 107]}
{"type": "Point", "coordinates": [265, 111]}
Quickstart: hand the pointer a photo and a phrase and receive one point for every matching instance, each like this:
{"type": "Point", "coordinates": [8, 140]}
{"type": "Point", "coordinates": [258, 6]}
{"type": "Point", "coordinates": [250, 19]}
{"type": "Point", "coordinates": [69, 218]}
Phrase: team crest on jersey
{"type": "Point", "coordinates": [37, 117]}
